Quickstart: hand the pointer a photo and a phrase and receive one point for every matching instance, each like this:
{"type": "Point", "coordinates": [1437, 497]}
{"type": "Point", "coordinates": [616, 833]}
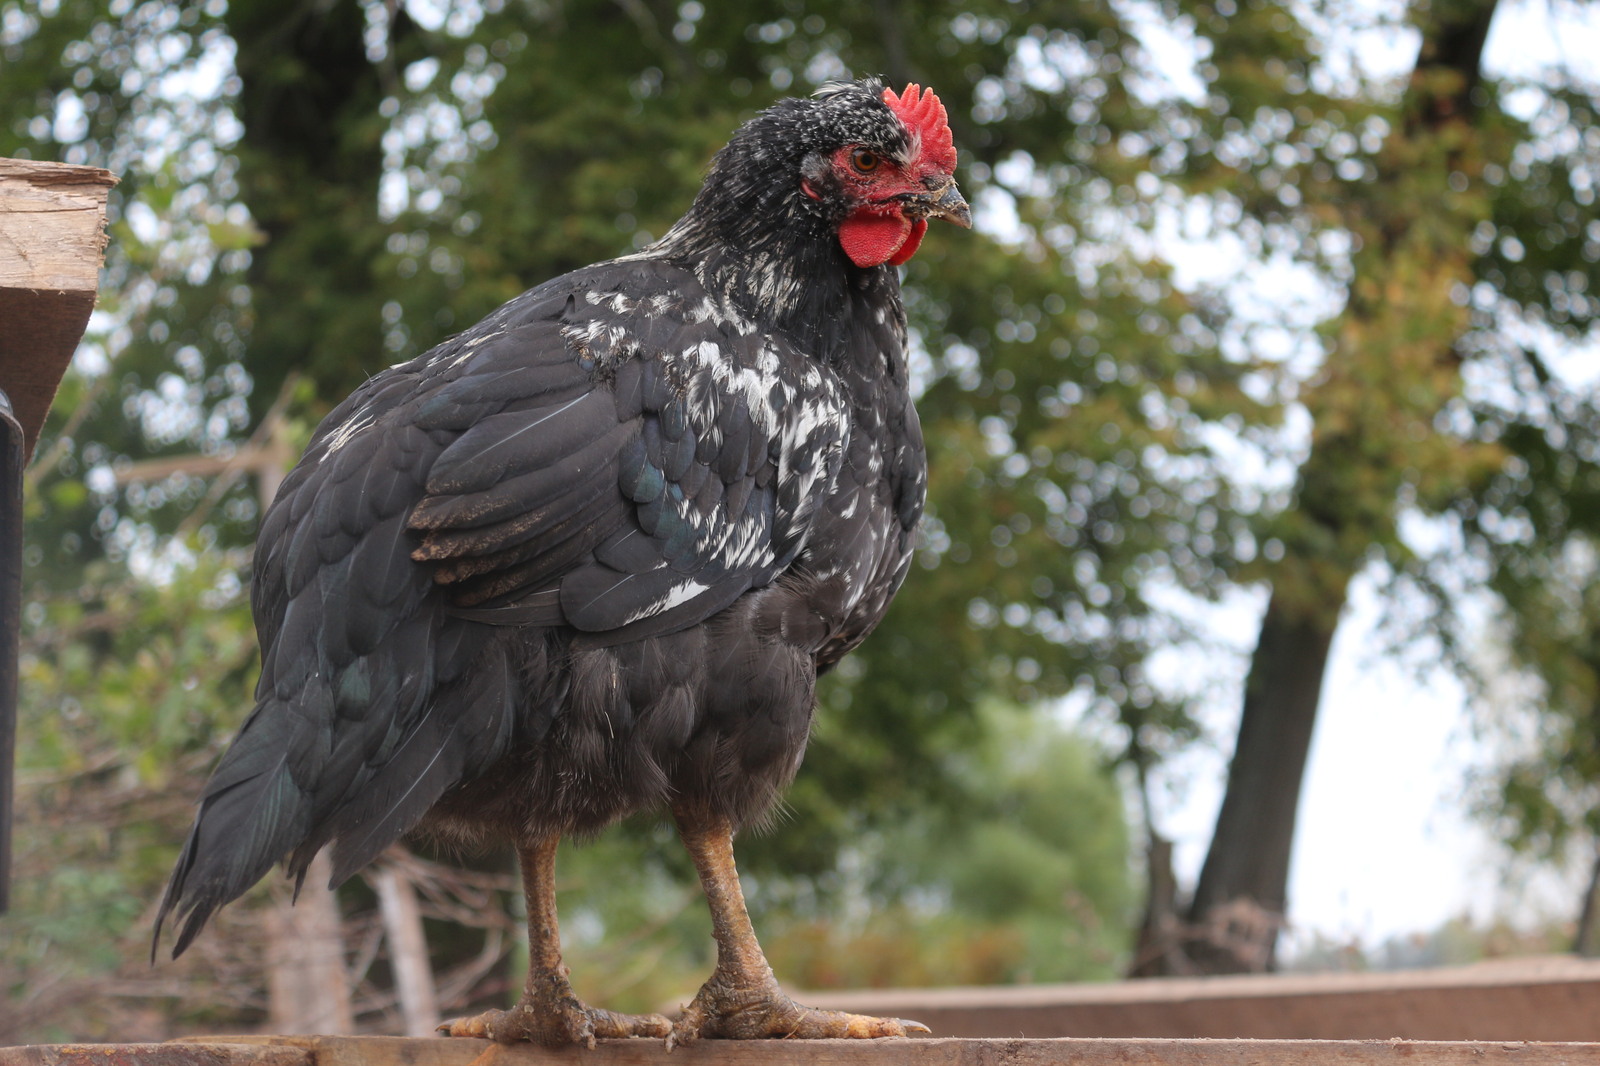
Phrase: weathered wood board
{"type": "Point", "coordinates": [401, 1051]}
{"type": "Point", "coordinates": [52, 239]}
{"type": "Point", "coordinates": [1546, 998]}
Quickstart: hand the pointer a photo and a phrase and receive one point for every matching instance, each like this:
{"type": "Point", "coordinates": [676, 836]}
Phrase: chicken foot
{"type": "Point", "coordinates": [549, 1012]}
{"type": "Point", "coordinates": [742, 1000]}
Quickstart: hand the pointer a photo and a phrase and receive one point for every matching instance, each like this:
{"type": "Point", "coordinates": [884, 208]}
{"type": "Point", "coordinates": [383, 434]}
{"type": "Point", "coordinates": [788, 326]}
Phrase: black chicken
{"type": "Point", "coordinates": [589, 556]}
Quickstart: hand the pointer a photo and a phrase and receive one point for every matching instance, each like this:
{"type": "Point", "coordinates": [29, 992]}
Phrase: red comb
{"type": "Point", "coordinates": [925, 117]}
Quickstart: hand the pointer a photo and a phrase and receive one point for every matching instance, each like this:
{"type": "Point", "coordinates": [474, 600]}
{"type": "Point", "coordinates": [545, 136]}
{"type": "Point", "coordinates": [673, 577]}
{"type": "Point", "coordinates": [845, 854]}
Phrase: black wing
{"type": "Point", "coordinates": [613, 451]}
{"type": "Point", "coordinates": [648, 503]}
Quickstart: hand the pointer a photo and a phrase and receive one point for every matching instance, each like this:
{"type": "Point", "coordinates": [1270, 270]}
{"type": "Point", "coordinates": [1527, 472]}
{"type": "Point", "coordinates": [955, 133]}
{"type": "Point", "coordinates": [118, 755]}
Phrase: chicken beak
{"type": "Point", "coordinates": [948, 204]}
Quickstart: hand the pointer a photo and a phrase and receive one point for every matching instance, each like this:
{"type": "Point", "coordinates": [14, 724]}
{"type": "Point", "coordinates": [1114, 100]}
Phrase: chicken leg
{"type": "Point", "coordinates": [549, 1012]}
{"type": "Point", "coordinates": [742, 999]}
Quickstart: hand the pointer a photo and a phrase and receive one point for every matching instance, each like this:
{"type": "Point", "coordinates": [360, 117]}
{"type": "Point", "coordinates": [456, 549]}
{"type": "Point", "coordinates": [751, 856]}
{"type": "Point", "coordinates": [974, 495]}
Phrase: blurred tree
{"type": "Point", "coordinates": [1541, 689]}
{"type": "Point", "coordinates": [310, 160]}
{"type": "Point", "coordinates": [1443, 444]}
{"type": "Point", "coordinates": [1392, 365]}
{"type": "Point", "coordinates": [127, 695]}
{"type": "Point", "coordinates": [1528, 528]}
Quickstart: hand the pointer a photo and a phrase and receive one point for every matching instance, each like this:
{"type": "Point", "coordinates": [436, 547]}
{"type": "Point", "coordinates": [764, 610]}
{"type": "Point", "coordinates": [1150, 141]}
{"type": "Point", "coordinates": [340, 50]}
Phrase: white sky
{"type": "Point", "coordinates": [1385, 844]}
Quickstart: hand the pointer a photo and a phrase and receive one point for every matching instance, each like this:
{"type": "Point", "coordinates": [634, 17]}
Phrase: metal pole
{"type": "Point", "coordinates": [13, 451]}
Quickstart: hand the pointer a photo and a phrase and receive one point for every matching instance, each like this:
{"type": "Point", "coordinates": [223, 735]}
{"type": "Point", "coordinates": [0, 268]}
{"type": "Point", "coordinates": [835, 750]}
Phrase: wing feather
{"type": "Point", "coordinates": [651, 501]}
{"type": "Point", "coordinates": [519, 441]}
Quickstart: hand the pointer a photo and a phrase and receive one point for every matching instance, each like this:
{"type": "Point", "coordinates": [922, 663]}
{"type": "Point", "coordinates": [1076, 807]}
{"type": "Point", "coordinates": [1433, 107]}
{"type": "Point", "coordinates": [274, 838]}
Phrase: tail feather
{"type": "Point", "coordinates": [265, 801]}
{"type": "Point", "coordinates": [467, 727]}
{"type": "Point", "coordinates": [241, 830]}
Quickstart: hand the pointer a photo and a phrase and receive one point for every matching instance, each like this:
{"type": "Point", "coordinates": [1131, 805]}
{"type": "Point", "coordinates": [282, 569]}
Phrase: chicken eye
{"type": "Point", "coordinates": [865, 160]}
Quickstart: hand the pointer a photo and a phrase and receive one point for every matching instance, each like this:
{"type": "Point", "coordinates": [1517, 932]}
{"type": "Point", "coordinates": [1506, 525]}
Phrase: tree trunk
{"type": "Point", "coordinates": [408, 950]}
{"type": "Point", "coordinates": [1248, 863]}
{"type": "Point", "coordinates": [1159, 948]}
{"type": "Point", "coordinates": [308, 986]}
{"type": "Point", "coordinates": [1586, 941]}
{"type": "Point", "coordinates": [310, 163]}
{"type": "Point", "coordinates": [1392, 367]}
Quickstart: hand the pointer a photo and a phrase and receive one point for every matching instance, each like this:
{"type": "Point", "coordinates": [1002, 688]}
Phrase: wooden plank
{"type": "Point", "coordinates": [185, 1054]}
{"type": "Point", "coordinates": [401, 1051]}
{"type": "Point", "coordinates": [52, 237]}
{"type": "Point", "coordinates": [1550, 999]}
{"type": "Point", "coordinates": [52, 217]}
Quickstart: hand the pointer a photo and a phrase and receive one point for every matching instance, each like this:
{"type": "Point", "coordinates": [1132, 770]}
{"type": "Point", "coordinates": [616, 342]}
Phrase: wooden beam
{"type": "Point", "coordinates": [52, 237]}
{"type": "Point", "coordinates": [401, 1051]}
{"type": "Point", "coordinates": [176, 1054]}
{"type": "Point", "coordinates": [1546, 998]}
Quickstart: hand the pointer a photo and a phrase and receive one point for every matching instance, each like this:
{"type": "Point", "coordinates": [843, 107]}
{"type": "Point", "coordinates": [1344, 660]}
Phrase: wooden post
{"type": "Point", "coordinates": [1586, 941]}
{"type": "Point", "coordinates": [52, 235]}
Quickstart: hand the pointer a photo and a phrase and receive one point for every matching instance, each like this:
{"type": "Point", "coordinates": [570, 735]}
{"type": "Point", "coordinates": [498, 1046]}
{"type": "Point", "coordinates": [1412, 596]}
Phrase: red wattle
{"type": "Point", "coordinates": [873, 239]}
{"type": "Point", "coordinates": [913, 242]}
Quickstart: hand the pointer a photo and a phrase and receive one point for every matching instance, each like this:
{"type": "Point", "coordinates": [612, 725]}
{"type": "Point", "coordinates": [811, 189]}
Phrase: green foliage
{"type": "Point", "coordinates": [1546, 795]}
{"type": "Point", "coordinates": [1020, 874]}
{"type": "Point", "coordinates": [128, 691]}
{"type": "Point", "coordinates": [1457, 941]}
{"type": "Point", "coordinates": [1525, 512]}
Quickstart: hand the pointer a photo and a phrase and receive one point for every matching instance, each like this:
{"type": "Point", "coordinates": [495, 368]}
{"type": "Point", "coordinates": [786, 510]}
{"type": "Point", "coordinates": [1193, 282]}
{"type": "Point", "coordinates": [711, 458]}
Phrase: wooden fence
{"type": "Point", "coordinates": [1532, 1012]}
